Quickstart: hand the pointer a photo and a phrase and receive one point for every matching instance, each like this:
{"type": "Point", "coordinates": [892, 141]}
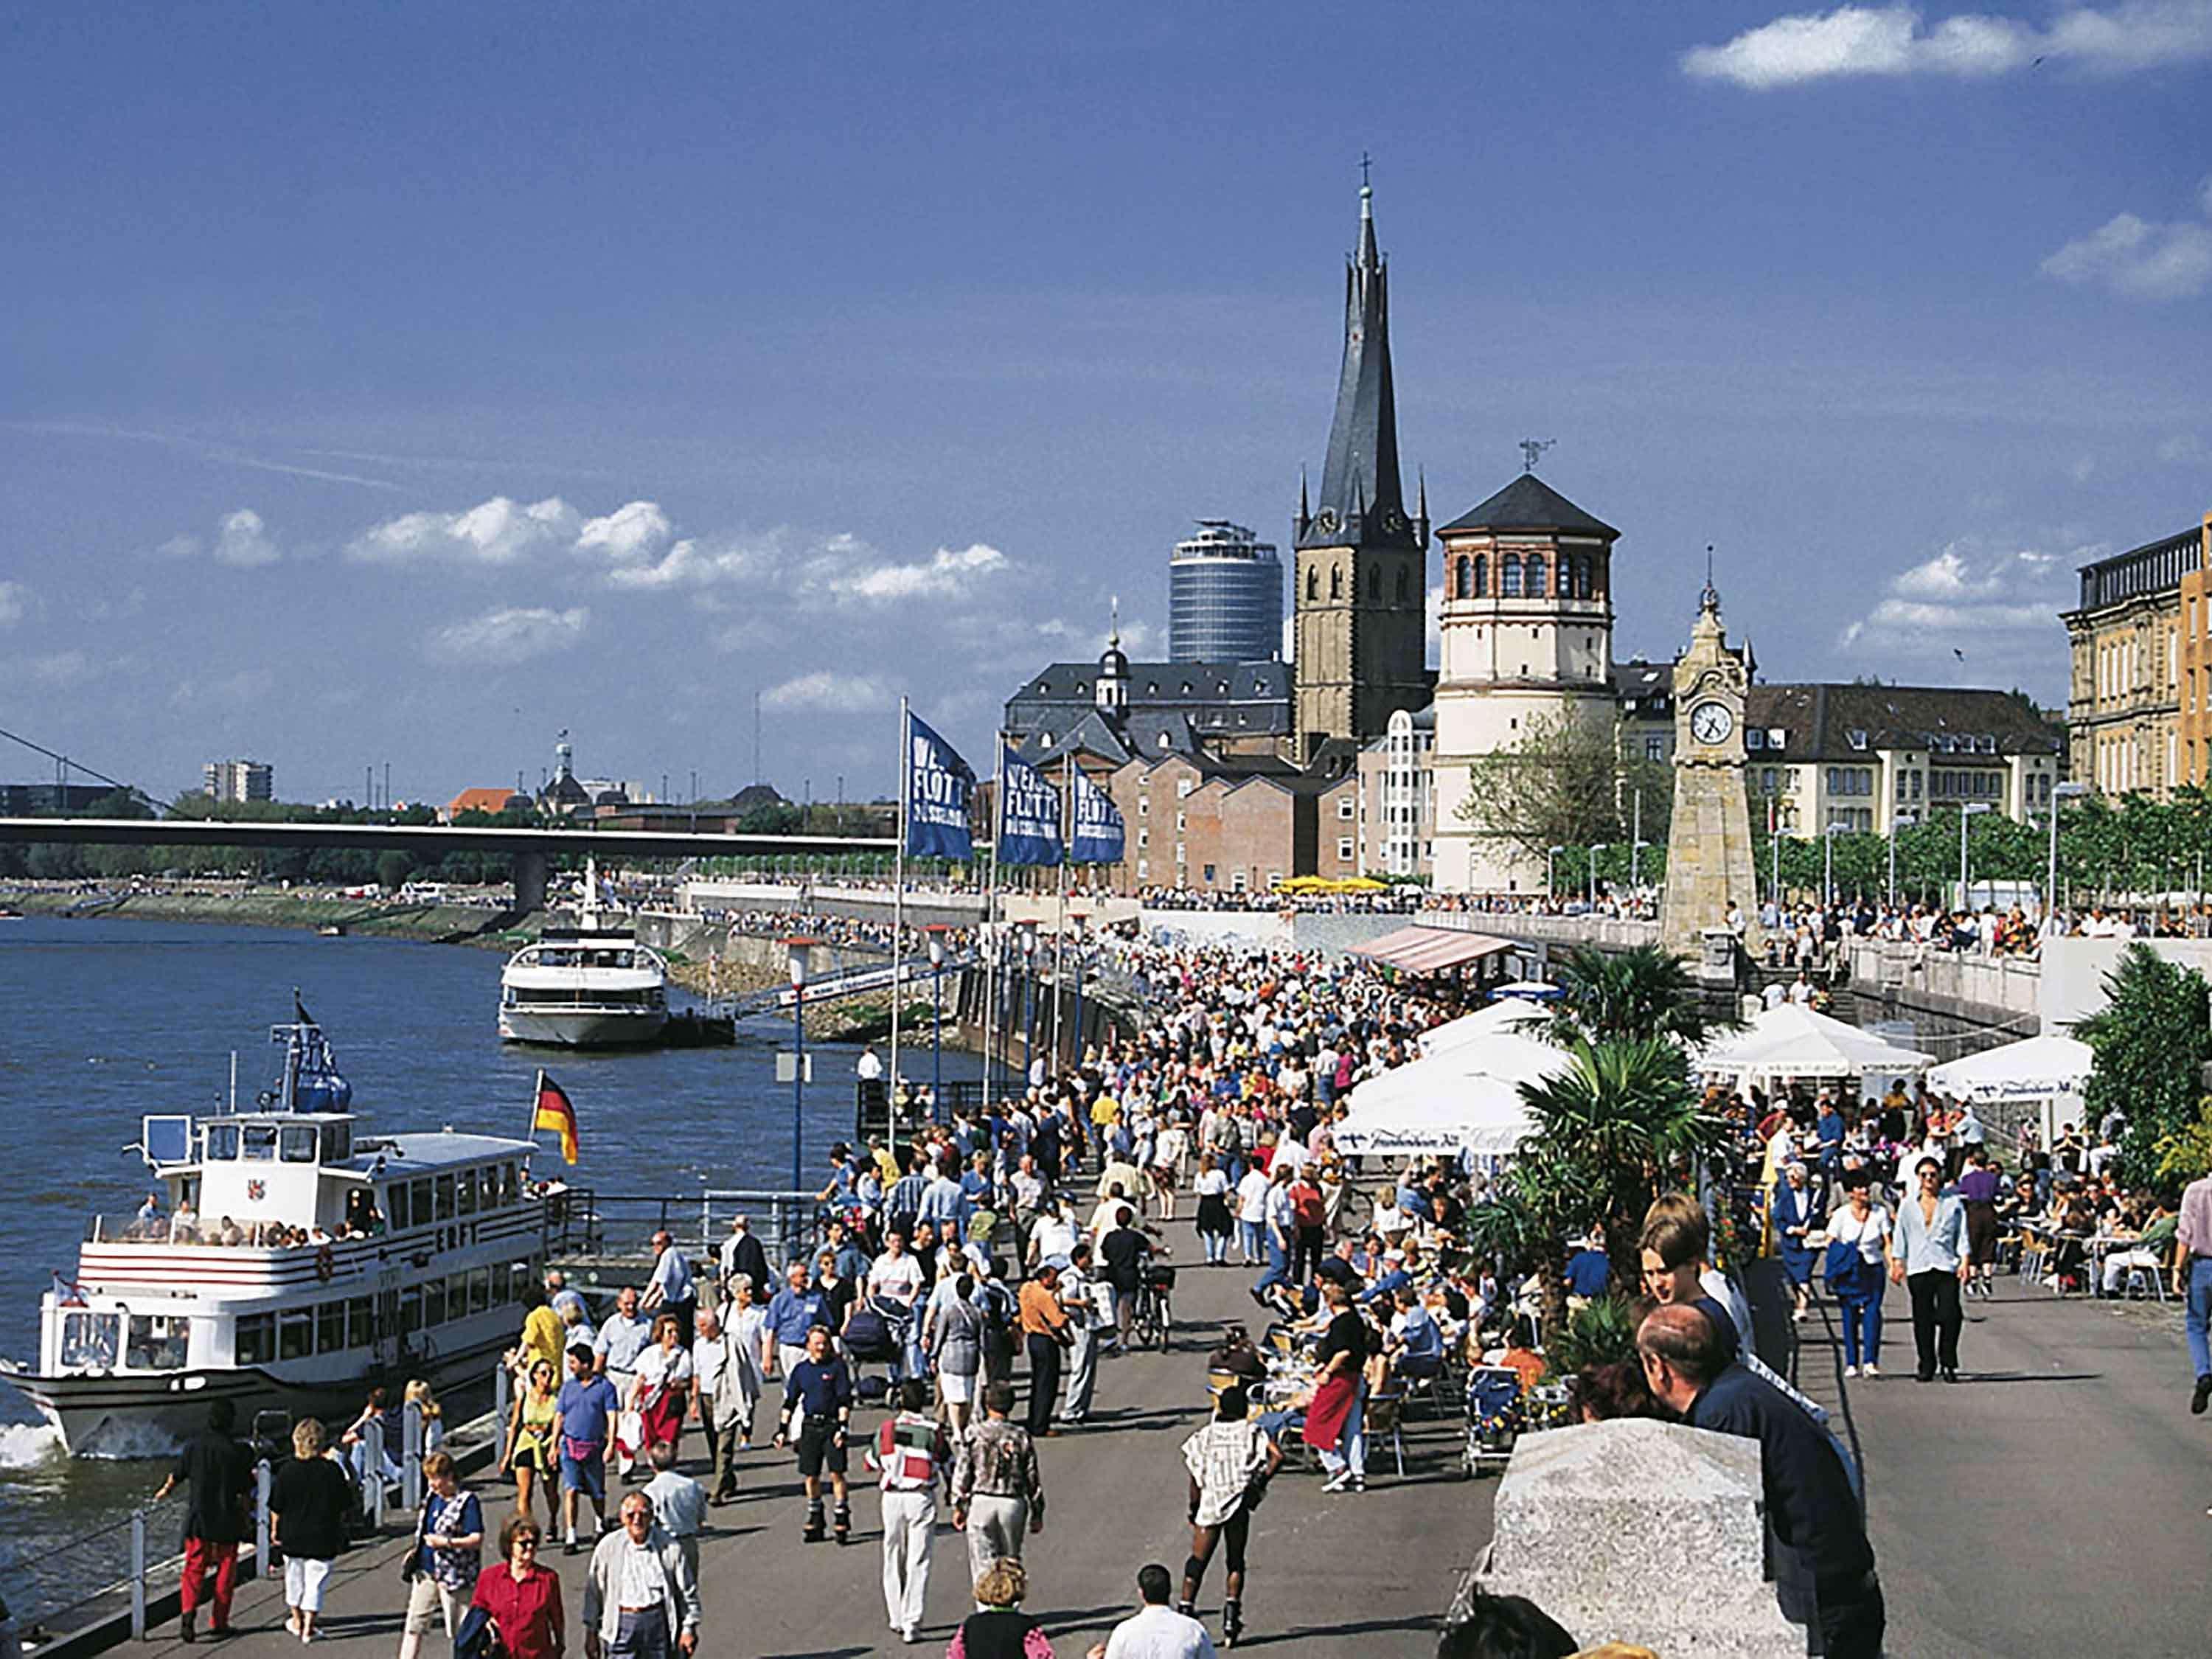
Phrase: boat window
{"type": "Point", "coordinates": [338, 1142]}
{"type": "Point", "coordinates": [255, 1343]}
{"type": "Point", "coordinates": [445, 1211]}
{"type": "Point", "coordinates": [259, 1140]}
{"type": "Point", "coordinates": [457, 1294]}
{"type": "Point", "coordinates": [90, 1340]}
{"type": "Point", "coordinates": [361, 1323]}
{"type": "Point", "coordinates": [434, 1303]}
{"type": "Point", "coordinates": [298, 1144]}
{"type": "Point", "coordinates": [221, 1141]}
{"type": "Point", "coordinates": [330, 1327]}
{"type": "Point", "coordinates": [395, 1206]}
{"type": "Point", "coordinates": [465, 1192]}
{"type": "Point", "coordinates": [479, 1290]}
{"type": "Point", "coordinates": [410, 1309]}
{"type": "Point", "coordinates": [296, 1334]}
{"type": "Point", "coordinates": [418, 1193]}
{"type": "Point", "coordinates": [512, 1193]}
{"type": "Point", "coordinates": [158, 1342]}
{"type": "Point", "coordinates": [518, 1284]}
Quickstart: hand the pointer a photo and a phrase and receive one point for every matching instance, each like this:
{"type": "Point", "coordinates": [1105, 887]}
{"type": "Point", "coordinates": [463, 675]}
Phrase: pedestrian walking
{"type": "Point", "coordinates": [306, 1520]}
{"type": "Point", "coordinates": [1046, 1334]}
{"type": "Point", "coordinates": [583, 1421]}
{"type": "Point", "coordinates": [522, 1598]}
{"type": "Point", "coordinates": [219, 1470]}
{"type": "Point", "coordinates": [679, 1503]}
{"type": "Point", "coordinates": [710, 1368]}
{"type": "Point", "coordinates": [640, 1601]}
{"type": "Point", "coordinates": [743, 1257]}
{"type": "Point", "coordinates": [1077, 1298]}
{"type": "Point", "coordinates": [1859, 1250]}
{"type": "Point", "coordinates": [2192, 1281]}
{"type": "Point", "coordinates": [1155, 1631]}
{"type": "Point", "coordinates": [1214, 1221]}
{"type": "Point", "coordinates": [793, 1312]}
{"type": "Point", "coordinates": [1793, 1220]}
{"type": "Point", "coordinates": [955, 1346]}
{"type": "Point", "coordinates": [530, 1451]}
{"type": "Point", "coordinates": [818, 1409]}
{"type": "Point", "coordinates": [998, 1490]}
{"type": "Point", "coordinates": [912, 1458]}
{"type": "Point", "coordinates": [1930, 1256]}
{"type": "Point", "coordinates": [441, 1574]}
{"type": "Point", "coordinates": [999, 1629]}
{"type": "Point", "coordinates": [671, 1290]}
{"type": "Point", "coordinates": [1332, 1421]}
{"type": "Point", "coordinates": [1230, 1462]}
{"type": "Point", "coordinates": [661, 1386]}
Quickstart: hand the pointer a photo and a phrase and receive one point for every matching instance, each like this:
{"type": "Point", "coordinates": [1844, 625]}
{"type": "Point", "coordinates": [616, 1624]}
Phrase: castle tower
{"type": "Point", "coordinates": [1527, 643]}
{"type": "Point", "coordinates": [1709, 860]}
{"type": "Point", "coordinates": [1361, 572]}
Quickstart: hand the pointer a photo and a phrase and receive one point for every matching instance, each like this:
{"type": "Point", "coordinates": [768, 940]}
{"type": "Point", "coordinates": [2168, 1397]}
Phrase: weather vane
{"type": "Point", "coordinates": [1532, 450]}
{"type": "Point", "coordinates": [1366, 162]}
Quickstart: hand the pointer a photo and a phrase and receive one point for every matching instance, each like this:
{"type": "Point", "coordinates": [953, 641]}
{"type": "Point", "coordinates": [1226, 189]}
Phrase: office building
{"type": "Point", "coordinates": [2125, 701]}
{"type": "Point", "coordinates": [1225, 597]}
{"type": "Point", "coordinates": [239, 781]}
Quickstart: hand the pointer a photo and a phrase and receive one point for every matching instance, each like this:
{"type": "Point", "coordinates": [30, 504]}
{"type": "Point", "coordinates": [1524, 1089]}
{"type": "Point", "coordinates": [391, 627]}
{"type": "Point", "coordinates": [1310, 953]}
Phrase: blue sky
{"type": "Point", "coordinates": [407, 382]}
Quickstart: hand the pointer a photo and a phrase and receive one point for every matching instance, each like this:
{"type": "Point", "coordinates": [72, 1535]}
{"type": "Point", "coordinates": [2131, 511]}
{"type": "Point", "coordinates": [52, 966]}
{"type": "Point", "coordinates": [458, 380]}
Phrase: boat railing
{"type": "Point", "coordinates": [162, 1230]}
{"type": "Point", "coordinates": [620, 1226]}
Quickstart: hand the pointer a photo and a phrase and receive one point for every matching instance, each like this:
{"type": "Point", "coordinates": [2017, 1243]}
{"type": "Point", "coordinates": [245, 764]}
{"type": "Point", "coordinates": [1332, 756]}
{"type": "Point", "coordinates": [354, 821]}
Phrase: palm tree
{"type": "Point", "coordinates": [1643, 992]}
{"type": "Point", "coordinates": [1612, 1132]}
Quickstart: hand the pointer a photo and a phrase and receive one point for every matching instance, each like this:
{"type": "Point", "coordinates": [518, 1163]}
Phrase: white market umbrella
{"type": "Point", "coordinates": [2035, 1068]}
{"type": "Point", "coordinates": [1793, 1041]}
{"type": "Point", "coordinates": [1467, 1098]}
{"type": "Point", "coordinates": [1515, 1014]}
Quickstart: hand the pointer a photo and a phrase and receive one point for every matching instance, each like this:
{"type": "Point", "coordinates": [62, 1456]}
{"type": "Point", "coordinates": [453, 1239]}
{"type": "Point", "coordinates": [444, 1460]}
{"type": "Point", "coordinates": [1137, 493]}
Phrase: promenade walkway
{"type": "Point", "coordinates": [1342, 1574]}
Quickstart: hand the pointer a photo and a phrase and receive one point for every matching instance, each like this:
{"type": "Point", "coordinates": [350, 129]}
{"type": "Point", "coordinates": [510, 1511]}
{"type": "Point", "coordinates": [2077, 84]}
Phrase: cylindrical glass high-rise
{"type": "Point", "coordinates": [1225, 597]}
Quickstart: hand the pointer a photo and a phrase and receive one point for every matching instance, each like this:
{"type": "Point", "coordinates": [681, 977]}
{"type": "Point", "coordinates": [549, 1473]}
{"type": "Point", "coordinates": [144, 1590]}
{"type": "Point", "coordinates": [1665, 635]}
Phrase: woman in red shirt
{"type": "Point", "coordinates": [523, 1598]}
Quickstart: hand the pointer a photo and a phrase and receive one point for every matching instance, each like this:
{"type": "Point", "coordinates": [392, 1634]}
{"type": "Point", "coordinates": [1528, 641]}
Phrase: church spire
{"type": "Point", "coordinates": [1360, 473]}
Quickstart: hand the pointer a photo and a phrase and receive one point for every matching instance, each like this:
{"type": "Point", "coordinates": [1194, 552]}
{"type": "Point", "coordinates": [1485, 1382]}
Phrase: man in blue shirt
{"type": "Point", "coordinates": [818, 1394]}
{"type": "Point", "coordinates": [793, 1311]}
{"type": "Point", "coordinates": [1589, 1270]}
{"type": "Point", "coordinates": [582, 1413]}
{"type": "Point", "coordinates": [1416, 1344]}
{"type": "Point", "coordinates": [1814, 1514]}
{"type": "Point", "coordinates": [944, 1206]}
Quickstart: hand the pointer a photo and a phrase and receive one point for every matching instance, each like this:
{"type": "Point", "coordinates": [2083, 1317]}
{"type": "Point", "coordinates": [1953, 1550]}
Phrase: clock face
{"type": "Point", "coordinates": [1711, 722]}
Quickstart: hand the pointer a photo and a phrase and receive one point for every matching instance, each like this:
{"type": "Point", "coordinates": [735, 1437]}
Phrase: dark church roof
{"type": "Point", "coordinates": [1171, 708]}
{"type": "Point", "coordinates": [1363, 500]}
{"type": "Point", "coordinates": [1529, 503]}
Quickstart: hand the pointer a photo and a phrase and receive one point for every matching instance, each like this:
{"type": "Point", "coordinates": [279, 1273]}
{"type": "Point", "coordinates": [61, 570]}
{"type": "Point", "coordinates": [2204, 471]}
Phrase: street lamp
{"type": "Point", "coordinates": [1076, 919]}
{"type": "Point", "coordinates": [800, 951]}
{"type": "Point", "coordinates": [1029, 999]}
{"type": "Point", "coordinates": [1828, 865]}
{"type": "Point", "coordinates": [935, 934]}
{"type": "Point", "coordinates": [1636, 864]}
{"type": "Point", "coordinates": [1967, 810]}
{"type": "Point", "coordinates": [1550, 870]}
{"type": "Point", "coordinates": [2063, 791]}
{"type": "Point", "coordinates": [1596, 848]}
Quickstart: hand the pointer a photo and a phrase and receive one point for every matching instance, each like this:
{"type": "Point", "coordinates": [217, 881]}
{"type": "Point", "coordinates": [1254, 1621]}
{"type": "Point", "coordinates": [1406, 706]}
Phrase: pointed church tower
{"type": "Point", "coordinates": [1362, 571]}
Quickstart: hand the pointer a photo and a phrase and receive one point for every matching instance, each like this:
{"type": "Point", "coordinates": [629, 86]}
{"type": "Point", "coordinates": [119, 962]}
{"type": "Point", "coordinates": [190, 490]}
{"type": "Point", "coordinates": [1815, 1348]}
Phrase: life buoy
{"type": "Point", "coordinates": [325, 1264]}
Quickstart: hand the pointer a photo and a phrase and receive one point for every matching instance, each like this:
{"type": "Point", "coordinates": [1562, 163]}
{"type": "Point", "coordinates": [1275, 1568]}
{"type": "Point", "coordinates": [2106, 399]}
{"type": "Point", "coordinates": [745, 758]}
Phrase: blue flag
{"type": "Point", "coordinates": [1029, 813]}
{"type": "Point", "coordinates": [937, 786]}
{"type": "Point", "coordinates": [1098, 838]}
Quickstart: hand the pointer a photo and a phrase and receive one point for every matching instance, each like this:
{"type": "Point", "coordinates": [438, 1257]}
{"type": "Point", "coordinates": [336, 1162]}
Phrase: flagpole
{"type": "Point", "coordinates": [898, 912]}
{"type": "Point", "coordinates": [537, 1094]}
{"type": "Point", "coordinates": [1060, 922]}
{"type": "Point", "coordinates": [990, 910]}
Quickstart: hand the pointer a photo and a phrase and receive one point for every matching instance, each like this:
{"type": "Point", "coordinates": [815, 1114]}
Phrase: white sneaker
{"type": "Point", "coordinates": [1870, 1371]}
{"type": "Point", "coordinates": [1338, 1482]}
{"type": "Point", "coordinates": [1851, 1371]}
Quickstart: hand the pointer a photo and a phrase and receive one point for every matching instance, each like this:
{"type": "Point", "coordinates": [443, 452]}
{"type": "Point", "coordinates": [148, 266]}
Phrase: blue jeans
{"type": "Point", "coordinates": [1248, 1234]}
{"type": "Point", "coordinates": [1279, 1264]}
{"type": "Point", "coordinates": [2198, 1317]}
{"type": "Point", "coordinates": [1862, 1327]}
{"type": "Point", "coordinates": [1352, 1451]}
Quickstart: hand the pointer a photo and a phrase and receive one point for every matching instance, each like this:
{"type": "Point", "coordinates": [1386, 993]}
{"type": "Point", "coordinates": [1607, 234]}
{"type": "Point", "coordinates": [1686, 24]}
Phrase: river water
{"type": "Point", "coordinates": [103, 1021]}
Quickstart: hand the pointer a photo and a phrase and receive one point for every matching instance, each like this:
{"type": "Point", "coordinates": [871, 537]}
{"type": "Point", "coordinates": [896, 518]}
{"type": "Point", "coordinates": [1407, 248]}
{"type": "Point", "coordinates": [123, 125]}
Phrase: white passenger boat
{"type": "Point", "coordinates": [292, 1260]}
{"type": "Point", "coordinates": [585, 987]}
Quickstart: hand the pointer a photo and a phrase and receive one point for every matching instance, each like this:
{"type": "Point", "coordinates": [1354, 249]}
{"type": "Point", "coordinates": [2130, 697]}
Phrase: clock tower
{"type": "Point", "coordinates": [1710, 867]}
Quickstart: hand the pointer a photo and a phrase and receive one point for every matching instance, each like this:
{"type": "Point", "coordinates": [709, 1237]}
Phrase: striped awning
{"type": "Point", "coordinates": [1430, 949]}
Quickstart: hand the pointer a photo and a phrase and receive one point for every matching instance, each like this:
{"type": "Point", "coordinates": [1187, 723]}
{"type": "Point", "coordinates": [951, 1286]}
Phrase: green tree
{"type": "Point", "coordinates": [393, 867]}
{"type": "Point", "coordinates": [2151, 1042]}
{"type": "Point", "coordinates": [1640, 993]}
{"type": "Point", "coordinates": [1566, 781]}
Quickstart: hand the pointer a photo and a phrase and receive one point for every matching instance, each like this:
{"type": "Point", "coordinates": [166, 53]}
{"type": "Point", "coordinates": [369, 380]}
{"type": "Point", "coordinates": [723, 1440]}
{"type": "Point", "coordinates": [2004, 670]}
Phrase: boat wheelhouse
{"type": "Point", "coordinates": [585, 987]}
{"type": "Point", "coordinates": [286, 1260]}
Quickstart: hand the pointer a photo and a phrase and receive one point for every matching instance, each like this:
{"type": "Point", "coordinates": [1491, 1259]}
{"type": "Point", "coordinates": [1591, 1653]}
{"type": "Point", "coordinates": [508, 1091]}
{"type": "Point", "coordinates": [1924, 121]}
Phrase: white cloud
{"type": "Point", "coordinates": [507, 635]}
{"type": "Point", "coordinates": [830, 693]}
{"type": "Point", "coordinates": [243, 539]}
{"type": "Point", "coordinates": [2137, 259]}
{"type": "Point", "coordinates": [1988, 605]}
{"type": "Point", "coordinates": [494, 533]}
{"type": "Point", "coordinates": [630, 531]}
{"type": "Point", "coordinates": [690, 563]}
{"type": "Point", "coordinates": [1435, 630]}
{"type": "Point", "coordinates": [946, 574]}
{"type": "Point", "coordinates": [15, 602]}
{"type": "Point", "coordinates": [246, 686]}
{"type": "Point", "coordinates": [1893, 41]}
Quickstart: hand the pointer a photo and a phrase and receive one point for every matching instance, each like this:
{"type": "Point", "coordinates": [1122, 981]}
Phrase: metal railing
{"type": "Point", "coordinates": [618, 1227]}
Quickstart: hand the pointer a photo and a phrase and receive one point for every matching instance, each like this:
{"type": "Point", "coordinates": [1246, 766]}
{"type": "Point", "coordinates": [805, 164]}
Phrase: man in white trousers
{"type": "Point", "coordinates": [911, 1457]}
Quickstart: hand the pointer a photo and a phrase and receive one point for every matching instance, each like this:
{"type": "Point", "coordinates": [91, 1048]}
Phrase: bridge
{"type": "Point", "coordinates": [531, 849]}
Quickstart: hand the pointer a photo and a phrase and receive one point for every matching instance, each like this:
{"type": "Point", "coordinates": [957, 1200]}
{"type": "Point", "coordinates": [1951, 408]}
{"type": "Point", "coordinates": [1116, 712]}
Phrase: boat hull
{"type": "Point", "coordinates": [582, 1028]}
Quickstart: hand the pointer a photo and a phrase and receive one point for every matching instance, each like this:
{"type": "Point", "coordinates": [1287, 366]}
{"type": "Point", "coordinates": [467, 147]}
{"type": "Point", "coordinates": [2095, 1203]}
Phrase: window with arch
{"type": "Point", "coordinates": [1336, 581]}
{"type": "Point", "coordinates": [1405, 585]}
{"type": "Point", "coordinates": [1313, 584]}
{"type": "Point", "coordinates": [1531, 577]}
{"type": "Point", "coordinates": [1482, 574]}
{"type": "Point", "coordinates": [1463, 579]}
{"type": "Point", "coordinates": [1508, 577]}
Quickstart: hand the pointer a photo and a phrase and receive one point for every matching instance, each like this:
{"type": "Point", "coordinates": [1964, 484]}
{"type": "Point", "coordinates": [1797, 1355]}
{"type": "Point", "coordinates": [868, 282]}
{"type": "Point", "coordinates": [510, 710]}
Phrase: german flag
{"type": "Point", "coordinates": [555, 1112]}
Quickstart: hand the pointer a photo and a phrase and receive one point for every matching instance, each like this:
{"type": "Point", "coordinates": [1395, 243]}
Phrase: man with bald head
{"type": "Point", "coordinates": [1828, 1575]}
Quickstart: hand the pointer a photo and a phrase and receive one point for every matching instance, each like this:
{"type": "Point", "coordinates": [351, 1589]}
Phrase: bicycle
{"type": "Point", "coordinates": [1152, 1323]}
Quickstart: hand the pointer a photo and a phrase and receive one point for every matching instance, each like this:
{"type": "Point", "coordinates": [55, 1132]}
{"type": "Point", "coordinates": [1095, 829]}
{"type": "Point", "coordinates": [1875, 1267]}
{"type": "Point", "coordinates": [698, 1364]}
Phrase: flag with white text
{"type": "Point", "coordinates": [1029, 813]}
{"type": "Point", "coordinates": [939, 785]}
{"type": "Point", "coordinates": [1098, 837]}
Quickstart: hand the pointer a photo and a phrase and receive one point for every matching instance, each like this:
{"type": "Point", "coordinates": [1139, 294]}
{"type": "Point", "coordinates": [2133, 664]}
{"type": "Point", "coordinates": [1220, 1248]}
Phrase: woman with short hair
{"type": "Point", "coordinates": [523, 1598]}
{"type": "Point", "coordinates": [448, 1543]}
{"type": "Point", "coordinates": [999, 1629]}
{"type": "Point", "coordinates": [307, 1519]}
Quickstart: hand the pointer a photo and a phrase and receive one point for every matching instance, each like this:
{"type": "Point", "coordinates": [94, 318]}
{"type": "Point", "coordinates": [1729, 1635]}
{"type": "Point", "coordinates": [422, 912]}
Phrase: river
{"type": "Point", "coordinates": [107, 1021]}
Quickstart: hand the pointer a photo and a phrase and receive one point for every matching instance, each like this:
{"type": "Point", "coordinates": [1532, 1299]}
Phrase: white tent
{"type": "Point", "coordinates": [1514, 1014]}
{"type": "Point", "coordinates": [1793, 1041]}
{"type": "Point", "coordinates": [1467, 1098]}
{"type": "Point", "coordinates": [2037, 1066]}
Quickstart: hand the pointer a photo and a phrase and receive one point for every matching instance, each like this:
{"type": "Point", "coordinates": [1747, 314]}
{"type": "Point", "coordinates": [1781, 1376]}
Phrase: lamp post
{"type": "Point", "coordinates": [1075, 919]}
{"type": "Point", "coordinates": [800, 951]}
{"type": "Point", "coordinates": [1550, 870]}
{"type": "Point", "coordinates": [1896, 818]}
{"type": "Point", "coordinates": [1596, 848]}
{"type": "Point", "coordinates": [1967, 810]}
{"type": "Point", "coordinates": [935, 934]}
{"type": "Point", "coordinates": [2062, 793]}
{"type": "Point", "coordinates": [1029, 1001]}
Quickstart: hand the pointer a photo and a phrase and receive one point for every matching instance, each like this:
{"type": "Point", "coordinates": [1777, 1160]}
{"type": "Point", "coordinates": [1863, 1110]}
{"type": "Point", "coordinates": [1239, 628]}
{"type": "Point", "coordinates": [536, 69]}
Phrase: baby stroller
{"type": "Point", "coordinates": [877, 1334]}
{"type": "Point", "coordinates": [1493, 1417]}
